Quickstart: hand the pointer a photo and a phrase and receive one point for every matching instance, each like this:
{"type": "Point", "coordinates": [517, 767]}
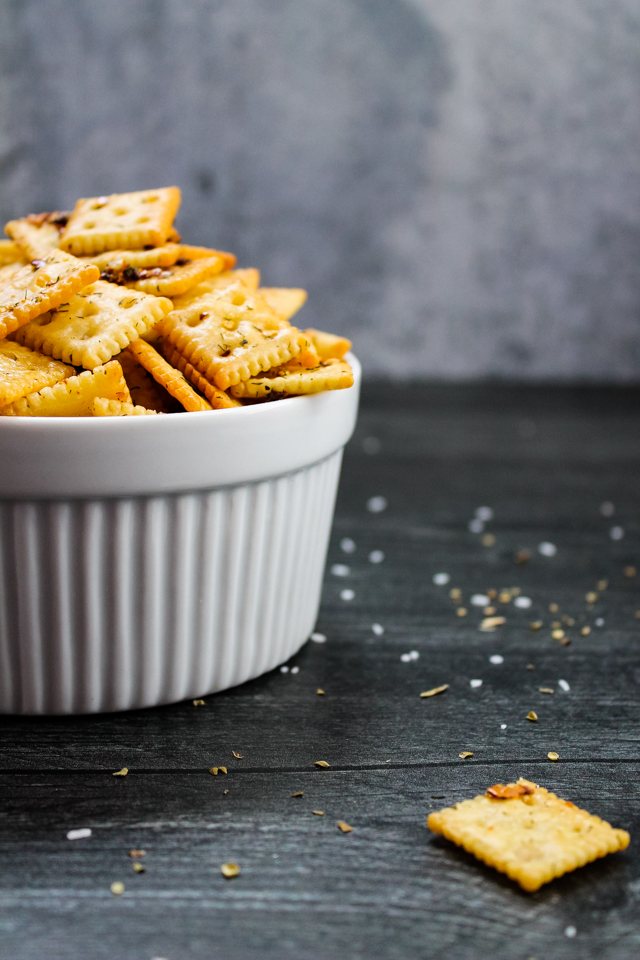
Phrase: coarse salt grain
{"type": "Point", "coordinates": [479, 600]}
{"type": "Point", "coordinates": [284, 669]}
{"type": "Point", "coordinates": [80, 834]}
{"type": "Point", "coordinates": [564, 685]}
{"type": "Point", "coordinates": [476, 525]}
{"type": "Point", "coordinates": [616, 533]}
{"type": "Point", "coordinates": [377, 629]}
{"type": "Point", "coordinates": [503, 726]}
{"type": "Point", "coordinates": [474, 684]}
{"type": "Point", "coordinates": [295, 669]}
{"type": "Point", "coordinates": [340, 570]}
{"type": "Point", "coordinates": [496, 658]}
{"type": "Point", "coordinates": [347, 594]}
{"type": "Point", "coordinates": [484, 513]}
{"type": "Point", "coordinates": [547, 549]}
{"type": "Point", "coordinates": [441, 579]}
{"type": "Point", "coordinates": [599, 622]}
{"type": "Point", "coordinates": [376, 504]}
{"type": "Point", "coordinates": [570, 932]}
{"type": "Point", "coordinates": [318, 638]}
{"type": "Point", "coordinates": [376, 556]}
{"type": "Point", "coordinates": [522, 602]}
{"type": "Point", "coordinates": [347, 545]}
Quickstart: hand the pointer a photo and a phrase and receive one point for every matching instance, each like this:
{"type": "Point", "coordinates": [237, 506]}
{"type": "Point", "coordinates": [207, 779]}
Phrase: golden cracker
{"type": "Point", "coordinates": [177, 279]}
{"type": "Point", "coordinates": [95, 324]}
{"type": "Point", "coordinates": [145, 392]}
{"type": "Point", "coordinates": [294, 379]}
{"type": "Point", "coordinates": [36, 239]}
{"type": "Point", "coordinates": [163, 256]}
{"type": "Point", "coordinates": [73, 397]}
{"type": "Point", "coordinates": [9, 252]}
{"type": "Point", "coordinates": [328, 345]}
{"type": "Point", "coordinates": [8, 270]}
{"type": "Point", "coordinates": [101, 407]}
{"type": "Point", "coordinates": [533, 836]}
{"type": "Point", "coordinates": [247, 278]}
{"type": "Point", "coordinates": [231, 337]}
{"type": "Point", "coordinates": [188, 252]}
{"type": "Point", "coordinates": [171, 379]}
{"type": "Point", "coordinates": [41, 286]}
{"type": "Point", "coordinates": [121, 221]}
{"type": "Point", "coordinates": [219, 399]}
{"type": "Point", "coordinates": [23, 371]}
{"type": "Point", "coordinates": [285, 301]}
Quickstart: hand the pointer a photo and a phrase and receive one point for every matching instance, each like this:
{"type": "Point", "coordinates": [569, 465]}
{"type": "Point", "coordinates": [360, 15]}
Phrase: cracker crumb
{"type": "Point", "coordinates": [536, 625]}
{"type": "Point", "coordinates": [318, 813]}
{"type": "Point", "coordinates": [138, 868]}
{"type": "Point", "coordinates": [137, 853]}
{"type": "Point", "coordinates": [320, 763]}
{"type": "Point", "coordinates": [121, 773]}
{"type": "Point", "coordinates": [117, 888]}
{"type": "Point", "coordinates": [465, 754]}
{"type": "Point", "coordinates": [320, 692]}
{"type": "Point", "coordinates": [238, 756]}
{"type": "Point", "coordinates": [532, 715]}
{"type": "Point", "coordinates": [585, 631]}
{"type": "Point", "coordinates": [546, 689]}
{"type": "Point", "coordinates": [552, 755]}
{"type": "Point", "coordinates": [229, 870]}
{"type": "Point", "coordinates": [462, 612]}
{"type": "Point", "coordinates": [557, 634]}
{"type": "Point", "coordinates": [344, 826]}
{"type": "Point", "coordinates": [629, 572]}
{"type": "Point", "coordinates": [298, 793]}
{"type": "Point", "coordinates": [198, 703]}
{"type": "Point", "coordinates": [435, 690]}
{"type": "Point", "coordinates": [488, 540]}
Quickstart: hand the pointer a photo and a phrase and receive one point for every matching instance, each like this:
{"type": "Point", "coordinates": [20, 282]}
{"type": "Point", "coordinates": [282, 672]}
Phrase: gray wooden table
{"type": "Point", "coordinates": [544, 461]}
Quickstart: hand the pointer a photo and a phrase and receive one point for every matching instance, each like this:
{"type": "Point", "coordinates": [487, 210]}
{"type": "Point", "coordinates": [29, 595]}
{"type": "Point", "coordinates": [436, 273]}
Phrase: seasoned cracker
{"type": "Point", "coordinates": [293, 379]}
{"type": "Point", "coordinates": [231, 337]}
{"type": "Point", "coordinates": [95, 324]}
{"type": "Point", "coordinates": [121, 221]}
{"type": "Point", "coordinates": [8, 270]}
{"type": "Point", "coordinates": [101, 407]}
{"type": "Point", "coordinates": [188, 252]}
{"type": "Point", "coordinates": [285, 301]}
{"type": "Point", "coordinates": [23, 371]}
{"type": "Point", "coordinates": [527, 832]}
{"type": "Point", "coordinates": [35, 236]}
{"type": "Point", "coordinates": [328, 345]}
{"type": "Point", "coordinates": [163, 256]}
{"type": "Point", "coordinates": [41, 286]}
{"type": "Point", "coordinates": [9, 252]}
{"type": "Point", "coordinates": [145, 391]}
{"type": "Point", "coordinates": [219, 399]}
{"type": "Point", "coordinates": [171, 379]}
{"type": "Point", "coordinates": [73, 397]}
{"type": "Point", "coordinates": [246, 279]}
{"type": "Point", "coordinates": [177, 279]}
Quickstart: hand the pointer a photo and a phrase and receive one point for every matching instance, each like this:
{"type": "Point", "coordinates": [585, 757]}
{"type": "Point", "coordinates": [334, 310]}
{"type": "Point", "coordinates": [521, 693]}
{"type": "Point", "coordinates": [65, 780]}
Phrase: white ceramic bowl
{"type": "Point", "coordinates": [144, 560]}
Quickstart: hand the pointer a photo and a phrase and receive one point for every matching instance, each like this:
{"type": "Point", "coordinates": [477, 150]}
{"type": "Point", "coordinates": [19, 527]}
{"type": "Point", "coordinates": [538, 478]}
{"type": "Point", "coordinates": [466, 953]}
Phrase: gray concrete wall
{"type": "Point", "coordinates": [456, 182]}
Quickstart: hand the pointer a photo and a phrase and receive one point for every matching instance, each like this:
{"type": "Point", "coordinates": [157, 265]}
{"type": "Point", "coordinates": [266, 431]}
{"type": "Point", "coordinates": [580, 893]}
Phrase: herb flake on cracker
{"type": "Point", "coordinates": [294, 379]}
{"type": "Point", "coordinates": [527, 832]}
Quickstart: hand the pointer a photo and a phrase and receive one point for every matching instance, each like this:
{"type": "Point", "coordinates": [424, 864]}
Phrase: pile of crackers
{"type": "Point", "coordinates": [105, 312]}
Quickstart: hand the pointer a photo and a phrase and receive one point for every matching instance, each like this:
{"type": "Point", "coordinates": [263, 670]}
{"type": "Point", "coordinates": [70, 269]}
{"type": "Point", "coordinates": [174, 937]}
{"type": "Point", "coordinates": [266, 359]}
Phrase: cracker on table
{"type": "Point", "coordinates": [9, 252]}
{"type": "Point", "coordinates": [247, 278]}
{"type": "Point", "coordinates": [219, 399]}
{"type": "Point", "coordinates": [177, 279]}
{"type": "Point", "coordinates": [121, 221]}
{"type": "Point", "coordinates": [328, 345]}
{"type": "Point", "coordinates": [38, 234]}
{"type": "Point", "coordinates": [527, 832]}
{"type": "Point", "coordinates": [23, 371]}
{"type": "Point", "coordinates": [285, 301]}
{"type": "Point", "coordinates": [144, 390]}
{"type": "Point", "coordinates": [73, 397]}
{"type": "Point", "coordinates": [94, 325]}
{"type": "Point", "coordinates": [171, 379]}
{"type": "Point", "coordinates": [293, 379]}
{"type": "Point", "coordinates": [101, 407]}
{"type": "Point", "coordinates": [40, 286]}
{"type": "Point", "coordinates": [231, 337]}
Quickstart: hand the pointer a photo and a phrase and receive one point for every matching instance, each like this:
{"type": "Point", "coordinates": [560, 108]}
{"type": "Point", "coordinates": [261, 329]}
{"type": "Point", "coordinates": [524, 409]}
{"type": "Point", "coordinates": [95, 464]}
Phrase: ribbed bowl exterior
{"type": "Point", "coordinates": [120, 603]}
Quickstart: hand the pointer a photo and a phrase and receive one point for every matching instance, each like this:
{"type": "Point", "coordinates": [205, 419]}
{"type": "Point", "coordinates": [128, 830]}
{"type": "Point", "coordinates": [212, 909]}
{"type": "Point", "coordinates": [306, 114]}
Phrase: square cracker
{"type": "Point", "coordinates": [285, 301]}
{"type": "Point", "coordinates": [94, 325]}
{"type": "Point", "coordinates": [40, 286]}
{"type": "Point", "coordinates": [73, 397]}
{"type": "Point", "coordinates": [23, 371]}
{"type": "Point", "coordinates": [248, 278]}
{"type": "Point", "coordinates": [163, 256]}
{"type": "Point", "coordinates": [527, 832]}
{"type": "Point", "coordinates": [10, 252]}
{"type": "Point", "coordinates": [219, 399]}
{"type": "Point", "coordinates": [38, 234]}
{"type": "Point", "coordinates": [177, 279]}
{"type": "Point", "coordinates": [121, 221]}
{"type": "Point", "coordinates": [294, 379]}
{"type": "Point", "coordinates": [231, 336]}
{"type": "Point", "coordinates": [328, 346]}
{"type": "Point", "coordinates": [101, 407]}
{"type": "Point", "coordinates": [167, 376]}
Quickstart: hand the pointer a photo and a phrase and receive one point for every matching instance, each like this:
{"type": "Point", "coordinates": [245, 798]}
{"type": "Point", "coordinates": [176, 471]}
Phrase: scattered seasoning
{"type": "Point", "coordinates": [552, 755]}
{"type": "Point", "coordinates": [585, 631]}
{"type": "Point", "coordinates": [546, 689]}
{"type": "Point", "coordinates": [80, 834]}
{"type": "Point", "coordinates": [492, 594]}
{"type": "Point", "coordinates": [138, 868]}
{"type": "Point", "coordinates": [489, 611]}
{"type": "Point", "coordinates": [530, 666]}
{"type": "Point", "coordinates": [532, 715]}
{"type": "Point", "coordinates": [216, 770]}
{"type": "Point", "coordinates": [135, 854]}
{"type": "Point", "coordinates": [504, 596]}
{"type": "Point", "coordinates": [435, 690]}
{"type": "Point", "coordinates": [117, 888]}
{"type": "Point", "coordinates": [489, 624]}
{"type": "Point", "coordinates": [536, 625]}
{"type": "Point", "coordinates": [455, 593]}
{"type": "Point", "coordinates": [522, 556]}
{"type": "Point", "coordinates": [637, 614]}
{"type": "Point", "coordinates": [238, 756]}
{"type": "Point", "coordinates": [344, 826]}
{"type": "Point", "coordinates": [198, 703]}
{"type": "Point", "coordinates": [568, 621]}
{"type": "Point", "coordinates": [320, 763]}
{"type": "Point", "coordinates": [557, 634]}
{"type": "Point", "coordinates": [465, 754]}
{"type": "Point", "coordinates": [298, 793]}
{"type": "Point", "coordinates": [591, 597]}
{"type": "Point", "coordinates": [320, 692]}
{"type": "Point", "coordinates": [556, 625]}
{"type": "Point", "coordinates": [318, 813]}
{"type": "Point", "coordinates": [462, 612]}
{"type": "Point", "coordinates": [629, 572]}
{"type": "Point", "coordinates": [553, 608]}
{"type": "Point", "coordinates": [224, 793]}
{"type": "Point", "coordinates": [602, 585]}
{"type": "Point", "coordinates": [565, 641]}
{"type": "Point", "coordinates": [229, 870]}
{"type": "Point", "coordinates": [121, 773]}
{"type": "Point", "coordinates": [488, 540]}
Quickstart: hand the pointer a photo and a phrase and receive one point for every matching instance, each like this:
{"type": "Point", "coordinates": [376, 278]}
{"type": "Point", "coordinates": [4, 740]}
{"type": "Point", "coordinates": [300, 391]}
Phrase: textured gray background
{"type": "Point", "coordinates": [456, 182]}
